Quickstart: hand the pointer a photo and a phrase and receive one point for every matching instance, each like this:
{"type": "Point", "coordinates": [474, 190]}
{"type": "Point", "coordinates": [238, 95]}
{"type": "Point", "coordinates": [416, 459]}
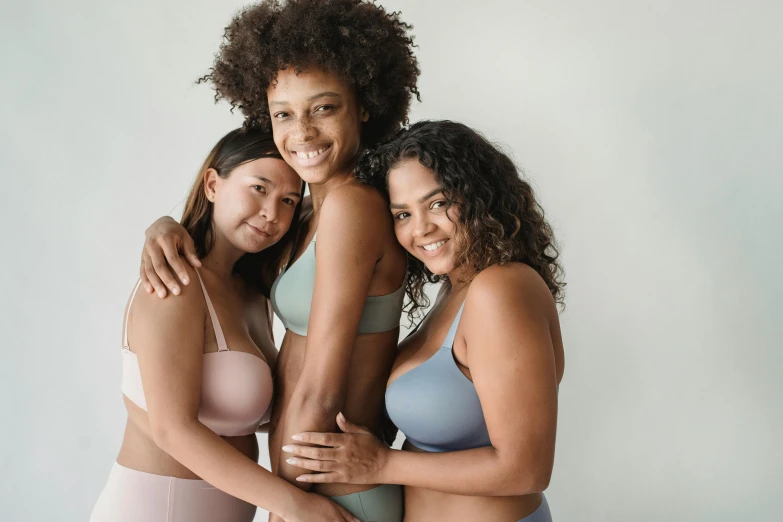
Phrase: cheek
{"type": "Point", "coordinates": [404, 237]}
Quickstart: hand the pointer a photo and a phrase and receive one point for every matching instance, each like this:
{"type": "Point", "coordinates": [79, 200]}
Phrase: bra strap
{"type": "Point", "coordinates": [221, 340]}
{"type": "Point", "coordinates": [125, 345]}
{"type": "Point", "coordinates": [449, 341]}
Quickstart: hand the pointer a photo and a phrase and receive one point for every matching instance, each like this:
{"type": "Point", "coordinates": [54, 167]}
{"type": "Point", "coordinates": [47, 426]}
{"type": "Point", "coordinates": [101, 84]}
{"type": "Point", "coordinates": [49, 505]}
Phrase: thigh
{"type": "Point", "coordinates": [136, 496]}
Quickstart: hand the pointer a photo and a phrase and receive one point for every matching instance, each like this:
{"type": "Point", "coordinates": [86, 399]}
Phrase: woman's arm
{"type": "Point", "coordinates": [348, 247]}
{"type": "Point", "coordinates": [164, 241]}
{"type": "Point", "coordinates": [506, 327]}
{"type": "Point", "coordinates": [168, 337]}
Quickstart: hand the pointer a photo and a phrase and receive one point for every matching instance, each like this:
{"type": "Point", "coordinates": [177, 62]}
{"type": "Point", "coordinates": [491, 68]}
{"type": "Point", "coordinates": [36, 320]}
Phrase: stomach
{"type": "Point", "coordinates": [425, 505]}
{"type": "Point", "coordinates": [139, 451]}
{"type": "Point", "coordinates": [370, 365]}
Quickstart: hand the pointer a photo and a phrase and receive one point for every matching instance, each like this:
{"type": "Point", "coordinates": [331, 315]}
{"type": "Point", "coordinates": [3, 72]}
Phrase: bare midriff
{"type": "Point", "coordinates": [425, 505]}
{"type": "Point", "coordinates": [139, 451]}
{"type": "Point", "coordinates": [371, 362]}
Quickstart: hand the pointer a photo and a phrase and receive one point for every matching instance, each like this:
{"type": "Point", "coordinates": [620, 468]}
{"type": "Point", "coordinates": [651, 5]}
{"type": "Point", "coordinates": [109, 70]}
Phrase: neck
{"type": "Point", "coordinates": [458, 279]}
{"type": "Point", "coordinates": [318, 191]}
{"type": "Point", "coordinates": [222, 258]}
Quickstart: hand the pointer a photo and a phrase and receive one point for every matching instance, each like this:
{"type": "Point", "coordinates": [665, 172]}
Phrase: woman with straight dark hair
{"type": "Point", "coordinates": [197, 370]}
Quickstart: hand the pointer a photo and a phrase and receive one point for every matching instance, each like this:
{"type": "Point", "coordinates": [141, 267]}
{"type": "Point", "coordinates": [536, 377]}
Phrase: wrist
{"type": "Point", "coordinates": [291, 502]}
{"type": "Point", "coordinates": [386, 471]}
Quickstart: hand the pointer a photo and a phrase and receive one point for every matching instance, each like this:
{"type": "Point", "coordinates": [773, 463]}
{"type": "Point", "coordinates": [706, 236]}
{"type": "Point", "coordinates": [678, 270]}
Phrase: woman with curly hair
{"type": "Point", "coordinates": [474, 388]}
{"type": "Point", "coordinates": [330, 79]}
{"type": "Point", "coordinates": [196, 376]}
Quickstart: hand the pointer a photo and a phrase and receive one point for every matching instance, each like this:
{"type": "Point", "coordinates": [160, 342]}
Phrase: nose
{"type": "Point", "coordinates": [269, 211]}
{"type": "Point", "coordinates": [303, 129]}
{"type": "Point", "coordinates": [421, 225]}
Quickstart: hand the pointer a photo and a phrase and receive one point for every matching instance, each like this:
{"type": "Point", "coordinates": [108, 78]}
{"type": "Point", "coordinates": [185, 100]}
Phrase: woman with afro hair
{"type": "Point", "coordinates": [474, 388]}
{"type": "Point", "coordinates": [330, 79]}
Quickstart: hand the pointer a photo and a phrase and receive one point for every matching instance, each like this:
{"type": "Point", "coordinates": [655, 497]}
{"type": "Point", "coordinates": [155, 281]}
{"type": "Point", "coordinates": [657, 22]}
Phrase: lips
{"type": "Point", "coordinates": [263, 232]}
{"type": "Point", "coordinates": [433, 248]}
{"type": "Point", "coordinates": [310, 156]}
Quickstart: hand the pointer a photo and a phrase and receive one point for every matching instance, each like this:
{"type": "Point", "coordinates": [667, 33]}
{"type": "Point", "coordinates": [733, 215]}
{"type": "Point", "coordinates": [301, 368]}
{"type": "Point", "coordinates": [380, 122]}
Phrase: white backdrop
{"type": "Point", "coordinates": [651, 128]}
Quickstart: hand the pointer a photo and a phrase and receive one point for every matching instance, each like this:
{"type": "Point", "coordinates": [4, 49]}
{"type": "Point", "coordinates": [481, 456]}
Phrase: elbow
{"type": "Point", "coordinates": [318, 405]}
{"type": "Point", "coordinates": [524, 476]}
{"type": "Point", "coordinates": [529, 481]}
{"type": "Point", "coordinates": [165, 434]}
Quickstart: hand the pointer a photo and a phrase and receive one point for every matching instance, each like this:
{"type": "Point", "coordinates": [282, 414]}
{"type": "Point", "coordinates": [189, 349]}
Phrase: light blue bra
{"type": "Point", "coordinates": [435, 405]}
{"type": "Point", "coordinates": [292, 298]}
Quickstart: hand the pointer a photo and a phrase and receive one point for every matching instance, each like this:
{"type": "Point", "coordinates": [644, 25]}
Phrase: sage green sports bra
{"type": "Point", "coordinates": [292, 297]}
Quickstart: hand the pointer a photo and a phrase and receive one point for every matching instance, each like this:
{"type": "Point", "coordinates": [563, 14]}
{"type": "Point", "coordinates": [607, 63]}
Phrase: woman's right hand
{"type": "Point", "coordinates": [315, 508]}
{"type": "Point", "coordinates": [165, 241]}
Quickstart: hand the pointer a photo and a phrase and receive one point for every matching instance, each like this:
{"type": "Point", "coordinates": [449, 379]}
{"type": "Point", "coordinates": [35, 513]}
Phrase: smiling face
{"type": "Point", "coordinates": [422, 223]}
{"type": "Point", "coordinates": [316, 122]}
{"type": "Point", "coordinates": [254, 204]}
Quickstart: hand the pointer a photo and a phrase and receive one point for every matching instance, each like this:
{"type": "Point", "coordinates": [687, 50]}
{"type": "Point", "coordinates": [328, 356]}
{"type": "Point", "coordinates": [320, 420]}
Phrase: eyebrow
{"type": "Point", "coordinates": [325, 94]}
{"type": "Point", "coordinates": [266, 180]}
{"type": "Point", "coordinates": [422, 199]}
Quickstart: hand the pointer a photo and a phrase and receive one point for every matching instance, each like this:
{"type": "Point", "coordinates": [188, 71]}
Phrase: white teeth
{"type": "Point", "coordinates": [308, 155]}
{"type": "Point", "coordinates": [434, 246]}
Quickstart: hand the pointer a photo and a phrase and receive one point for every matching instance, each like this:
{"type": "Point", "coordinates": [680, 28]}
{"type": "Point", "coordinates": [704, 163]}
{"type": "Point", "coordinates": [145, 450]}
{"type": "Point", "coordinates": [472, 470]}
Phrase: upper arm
{"type": "Point", "coordinates": [512, 363]}
{"type": "Point", "coordinates": [348, 246]}
{"type": "Point", "coordinates": [167, 336]}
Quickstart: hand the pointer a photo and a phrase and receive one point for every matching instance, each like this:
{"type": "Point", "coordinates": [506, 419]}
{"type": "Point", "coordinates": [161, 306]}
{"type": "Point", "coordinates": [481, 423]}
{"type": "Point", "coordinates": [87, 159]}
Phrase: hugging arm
{"type": "Point", "coordinates": [166, 241]}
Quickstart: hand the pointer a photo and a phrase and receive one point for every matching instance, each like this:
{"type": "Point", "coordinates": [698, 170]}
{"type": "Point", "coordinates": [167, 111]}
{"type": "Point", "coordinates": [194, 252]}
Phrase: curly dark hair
{"type": "Point", "coordinates": [499, 218]}
{"type": "Point", "coordinates": [354, 39]}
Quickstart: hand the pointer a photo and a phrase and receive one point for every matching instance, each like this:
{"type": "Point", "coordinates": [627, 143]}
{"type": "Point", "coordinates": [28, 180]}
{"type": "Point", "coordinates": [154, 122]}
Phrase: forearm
{"type": "Point", "coordinates": [224, 467]}
{"type": "Point", "coordinates": [479, 472]}
{"type": "Point", "coordinates": [306, 413]}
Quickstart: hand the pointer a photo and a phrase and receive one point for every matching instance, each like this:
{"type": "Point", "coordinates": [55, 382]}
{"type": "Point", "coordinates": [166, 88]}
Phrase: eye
{"type": "Point", "coordinates": [441, 203]}
{"type": "Point", "coordinates": [401, 215]}
{"type": "Point", "coordinates": [289, 201]}
{"type": "Point", "coordinates": [259, 188]}
{"type": "Point", "coordinates": [280, 115]}
{"type": "Point", "coordinates": [322, 108]}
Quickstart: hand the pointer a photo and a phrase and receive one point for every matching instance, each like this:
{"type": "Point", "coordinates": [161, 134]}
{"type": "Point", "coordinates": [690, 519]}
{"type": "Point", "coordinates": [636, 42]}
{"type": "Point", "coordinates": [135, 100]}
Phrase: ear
{"type": "Point", "coordinates": [210, 182]}
{"type": "Point", "coordinates": [365, 115]}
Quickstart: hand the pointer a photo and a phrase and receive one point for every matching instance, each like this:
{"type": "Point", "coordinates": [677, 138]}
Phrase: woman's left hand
{"type": "Point", "coordinates": [355, 456]}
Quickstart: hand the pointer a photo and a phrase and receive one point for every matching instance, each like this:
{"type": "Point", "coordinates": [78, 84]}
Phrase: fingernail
{"type": "Point", "coordinates": [301, 478]}
{"type": "Point", "coordinates": [342, 417]}
{"type": "Point", "coordinates": [297, 437]}
{"type": "Point", "coordinates": [161, 294]}
{"type": "Point", "coordinates": [175, 290]}
{"type": "Point", "coordinates": [185, 280]}
{"type": "Point", "coordinates": [291, 460]}
{"type": "Point", "coordinates": [288, 449]}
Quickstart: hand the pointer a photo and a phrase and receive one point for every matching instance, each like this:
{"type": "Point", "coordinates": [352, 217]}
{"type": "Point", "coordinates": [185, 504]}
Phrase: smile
{"type": "Point", "coordinates": [258, 231]}
{"type": "Point", "coordinates": [309, 155]}
{"type": "Point", "coordinates": [434, 246]}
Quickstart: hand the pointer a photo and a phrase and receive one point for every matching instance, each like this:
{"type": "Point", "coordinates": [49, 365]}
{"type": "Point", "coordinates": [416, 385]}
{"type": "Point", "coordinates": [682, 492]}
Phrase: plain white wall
{"type": "Point", "coordinates": [651, 128]}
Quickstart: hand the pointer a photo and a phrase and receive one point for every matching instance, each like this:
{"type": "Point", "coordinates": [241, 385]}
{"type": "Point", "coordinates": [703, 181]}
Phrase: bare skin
{"type": "Point", "coordinates": [332, 369]}
{"type": "Point", "coordinates": [508, 344]}
{"type": "Point", "coordinates": [253, 208]}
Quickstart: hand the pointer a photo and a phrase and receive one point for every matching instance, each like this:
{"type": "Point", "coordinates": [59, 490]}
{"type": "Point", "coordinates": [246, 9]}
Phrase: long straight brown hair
{"type": "Point", "coordinates": [239, 146]}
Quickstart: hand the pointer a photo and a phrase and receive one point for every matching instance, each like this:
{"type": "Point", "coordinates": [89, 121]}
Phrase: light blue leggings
{"type": "Point", "coordinates": [541, 514]}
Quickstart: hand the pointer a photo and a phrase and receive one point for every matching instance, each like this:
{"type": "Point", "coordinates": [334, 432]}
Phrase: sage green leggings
{"type": "Point", "coordinates": [383, 503]}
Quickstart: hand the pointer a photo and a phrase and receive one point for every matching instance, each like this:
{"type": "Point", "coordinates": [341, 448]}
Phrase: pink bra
{"type": "Point", "coordinates": [236, 387]}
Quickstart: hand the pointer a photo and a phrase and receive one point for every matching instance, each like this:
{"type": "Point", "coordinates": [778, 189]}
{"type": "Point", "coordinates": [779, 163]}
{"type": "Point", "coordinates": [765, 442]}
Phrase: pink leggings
{"type": "Point", "coordinates": [135, 496]}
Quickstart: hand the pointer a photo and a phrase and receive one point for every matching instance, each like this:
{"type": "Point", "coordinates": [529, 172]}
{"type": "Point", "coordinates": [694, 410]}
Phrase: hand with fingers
{"type": "Point", "coordinates": [355, 456]}
{"type": "Point", "coordinates": [166, 241]}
